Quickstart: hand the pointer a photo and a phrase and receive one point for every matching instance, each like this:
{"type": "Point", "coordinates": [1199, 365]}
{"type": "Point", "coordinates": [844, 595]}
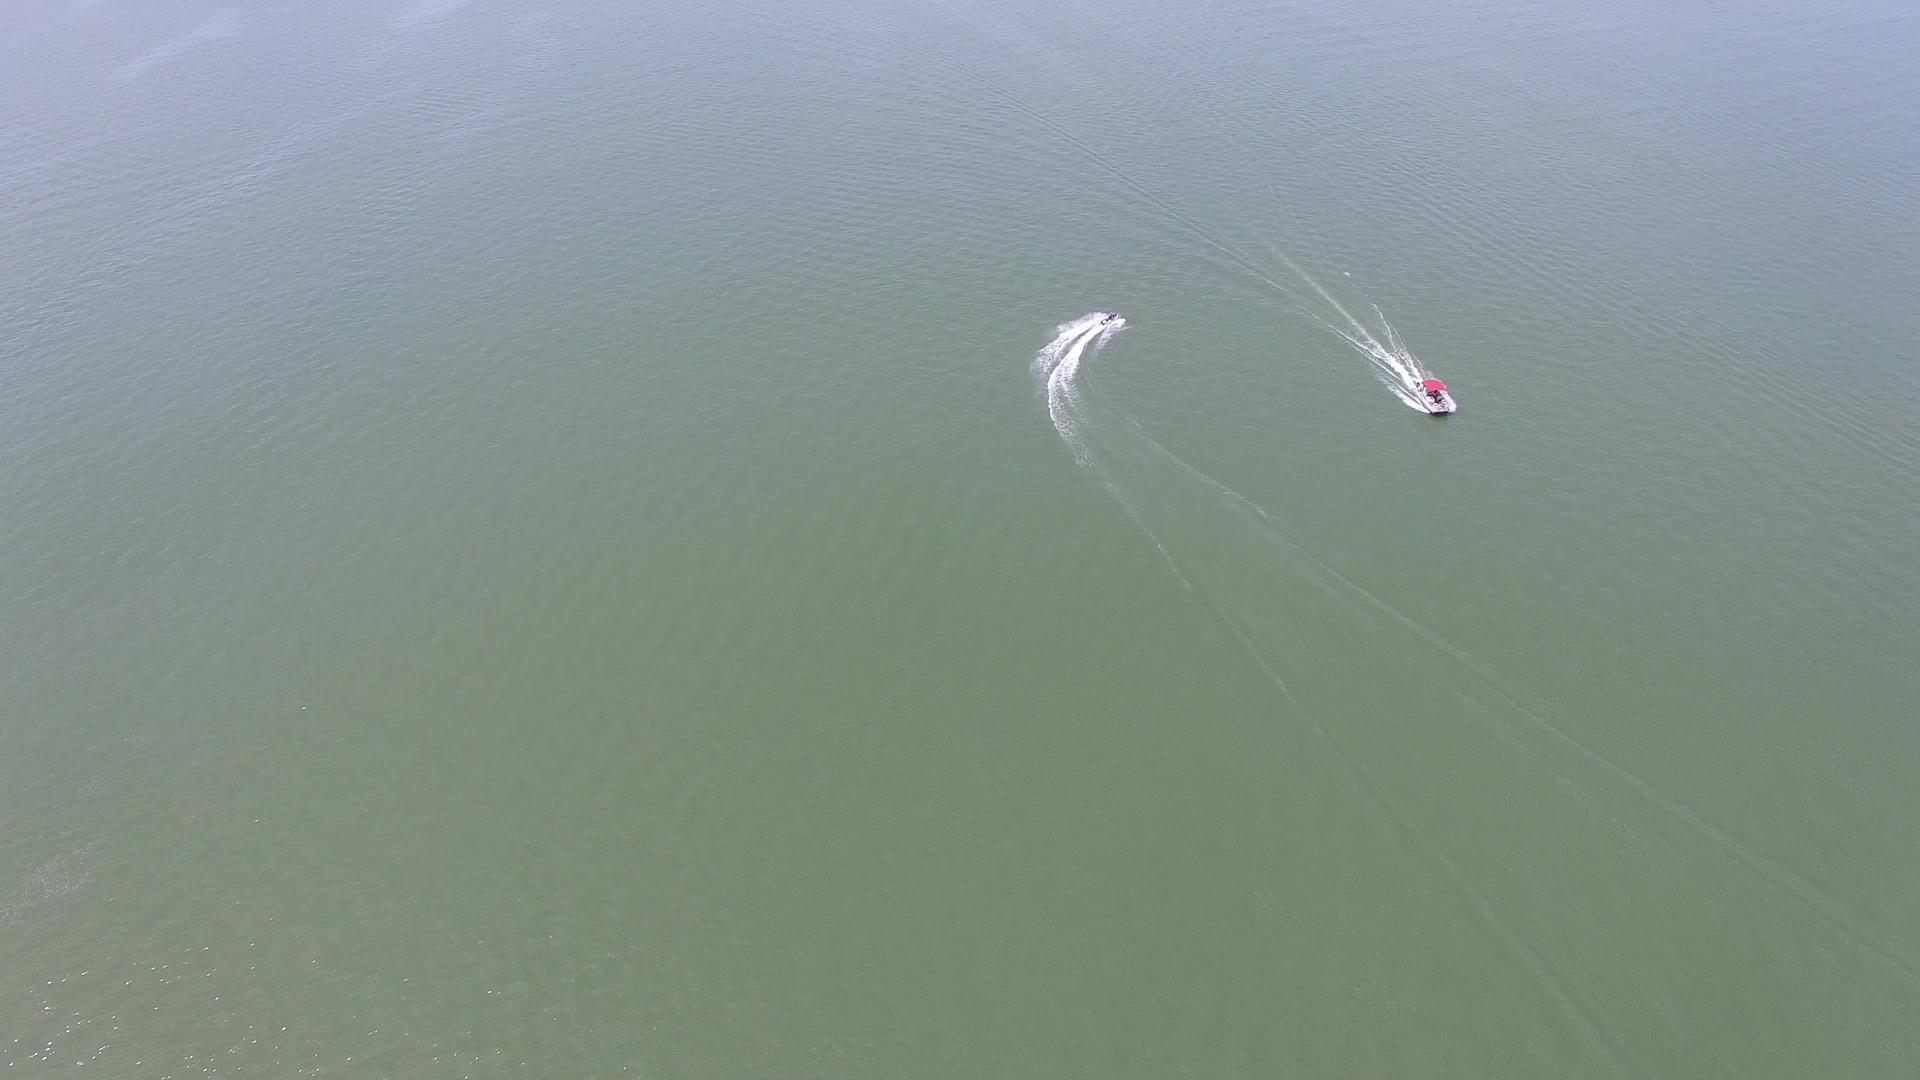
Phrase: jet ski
{"type": "Point", "coordinates": [1435, 399]}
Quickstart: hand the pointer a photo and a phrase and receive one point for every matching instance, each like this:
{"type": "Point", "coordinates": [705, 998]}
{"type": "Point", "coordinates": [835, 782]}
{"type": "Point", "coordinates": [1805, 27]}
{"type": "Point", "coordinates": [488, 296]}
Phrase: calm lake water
{"type": "Point", "coordinates": [535, 542]}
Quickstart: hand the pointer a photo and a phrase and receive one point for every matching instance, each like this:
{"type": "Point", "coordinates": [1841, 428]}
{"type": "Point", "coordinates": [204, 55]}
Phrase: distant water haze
{"type": "Point", "coordinates": [588, 539]}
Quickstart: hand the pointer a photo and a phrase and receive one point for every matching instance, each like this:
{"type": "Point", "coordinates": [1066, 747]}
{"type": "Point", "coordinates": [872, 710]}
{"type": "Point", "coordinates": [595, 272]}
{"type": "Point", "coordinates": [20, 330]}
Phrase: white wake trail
{"type": "Point", "coordinates": [1398, 369]}
{"type": "Point", "coordinates": [1054, 366]}
{"type": "Point", "coordinates": [1059, 361]}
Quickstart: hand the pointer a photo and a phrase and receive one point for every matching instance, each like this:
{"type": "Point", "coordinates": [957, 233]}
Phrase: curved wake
{"type": "Point", "coordinates": [1244, 567]}
{"type": "Point", "coordinates": [1398, 369]}
{"type": "Point", "coordinates": [1059, 361]}
{"type": "Point", "coordinates": [1056, 365]}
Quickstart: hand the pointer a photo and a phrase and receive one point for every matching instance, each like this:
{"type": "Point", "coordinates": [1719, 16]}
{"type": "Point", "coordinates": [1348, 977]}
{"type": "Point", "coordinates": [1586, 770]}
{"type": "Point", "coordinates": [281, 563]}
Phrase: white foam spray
{"type": "Point", "coordinates": [1398, 369]}
{"type": "Point", "coordinates": [1057, 363]}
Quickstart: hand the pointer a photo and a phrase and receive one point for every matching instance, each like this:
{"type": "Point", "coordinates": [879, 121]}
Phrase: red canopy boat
{"type": "Point", "coordinates": [1437, 400]}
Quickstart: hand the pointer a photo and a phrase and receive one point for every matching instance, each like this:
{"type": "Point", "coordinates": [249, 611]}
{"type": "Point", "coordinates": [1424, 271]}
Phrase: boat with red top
{"type": "Point", "coordinates": [1435, 399]}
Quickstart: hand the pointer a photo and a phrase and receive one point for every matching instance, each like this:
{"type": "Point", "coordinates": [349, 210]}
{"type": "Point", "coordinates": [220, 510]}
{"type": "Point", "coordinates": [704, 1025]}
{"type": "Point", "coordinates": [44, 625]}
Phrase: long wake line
{"type": "Point", "coordinates": [1828, 910]}
{"type": "Point", "coordinates": [1397, 368]}
{"type": "Point", "coordinates": [1056, 366]}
